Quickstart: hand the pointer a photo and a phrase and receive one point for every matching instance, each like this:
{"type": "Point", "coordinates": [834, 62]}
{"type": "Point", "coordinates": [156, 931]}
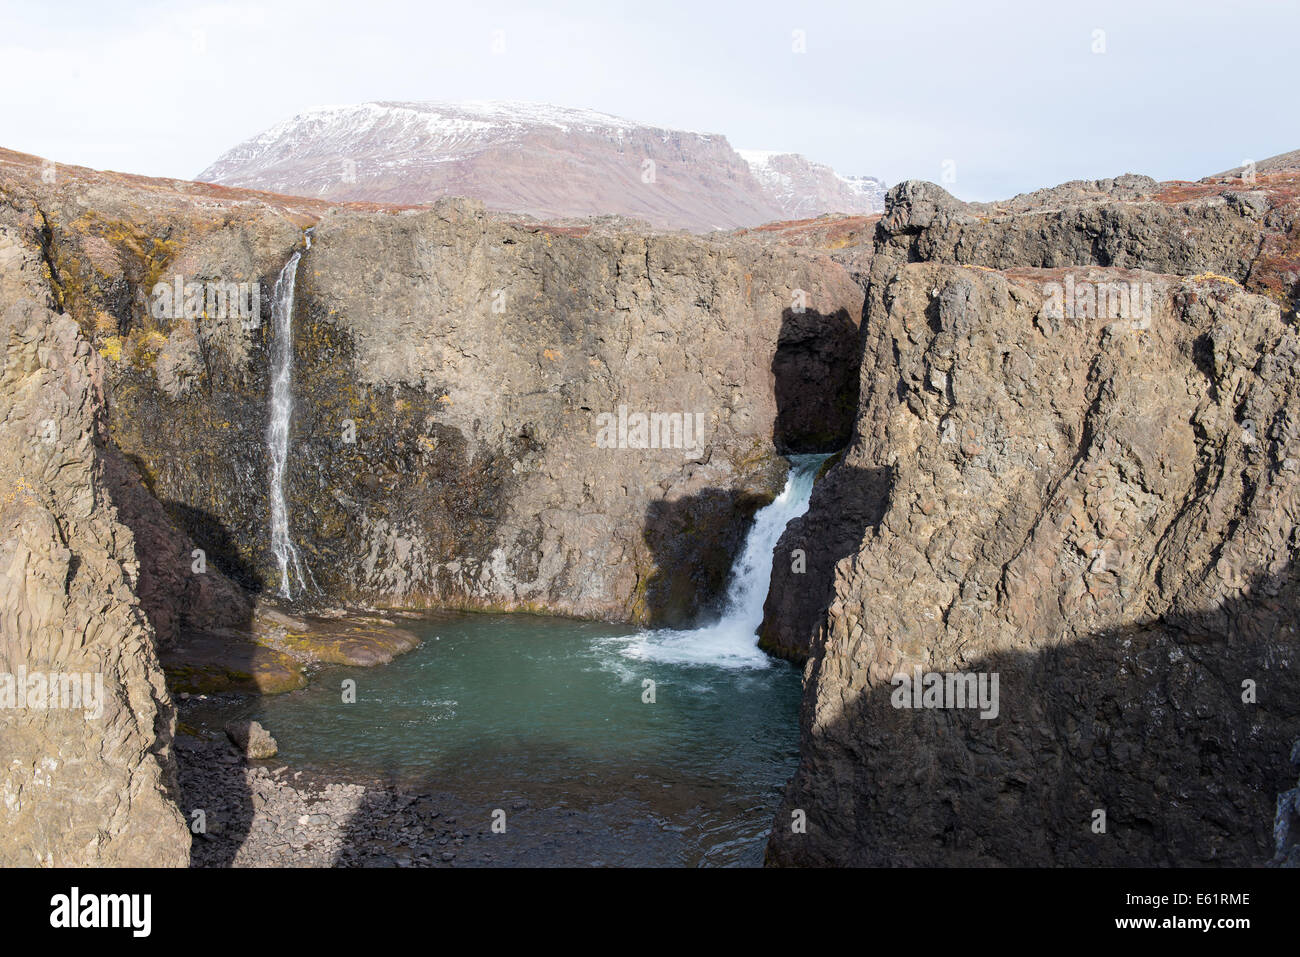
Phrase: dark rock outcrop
{"type": "Point", "coordinates": [1098, 506]}
{"type": "Point", "coordinates": [86, 725]}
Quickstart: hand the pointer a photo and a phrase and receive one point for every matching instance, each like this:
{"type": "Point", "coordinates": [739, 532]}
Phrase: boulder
{"type": "Point", "coordinates": [252, 740]}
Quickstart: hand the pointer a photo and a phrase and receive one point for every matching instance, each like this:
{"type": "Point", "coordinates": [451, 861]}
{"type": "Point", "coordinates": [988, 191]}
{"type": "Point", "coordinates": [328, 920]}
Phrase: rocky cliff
{"type": "Point", "coordinates": [467, 430]}
{"type": "Point", "coordinates": [1075, 466]}
{"type": "Point", "coordinates": [85, 720]}
{"type": "Point", "coordinates": [452, 372]}
{"type": "Point", "coordinates": [1071, 463]}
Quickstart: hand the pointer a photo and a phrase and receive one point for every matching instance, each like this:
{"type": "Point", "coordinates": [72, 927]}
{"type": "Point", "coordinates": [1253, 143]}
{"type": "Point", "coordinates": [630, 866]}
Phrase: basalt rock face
{"type": "Point", "coordinates": [1098, 505]}
{"type": "Point", "coordinates": [86, 725]}
{"type": "Point", "coordinates": [482, 367]}
{"type": "Point", "coordinates": [455, 377]}
{"type": "Point", "coordinates": [1249, 232]}
{"type": "Point", "coordinates": [457, 383]}
{"type": "Point", "coordinates": [100, 243]}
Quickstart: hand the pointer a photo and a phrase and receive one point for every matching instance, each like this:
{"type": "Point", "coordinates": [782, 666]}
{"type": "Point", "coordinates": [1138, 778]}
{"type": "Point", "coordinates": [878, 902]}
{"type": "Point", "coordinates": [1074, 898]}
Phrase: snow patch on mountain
{"type": "Point", "coordinates": [804, 188]}
{"type": "Point", "coordinates": [535, 158]}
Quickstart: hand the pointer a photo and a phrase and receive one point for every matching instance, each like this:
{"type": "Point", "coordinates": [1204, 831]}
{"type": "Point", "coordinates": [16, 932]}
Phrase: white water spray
{"type": "Point", "coordinates": [731, 641]}
{"type": "Point", "coordinates": [277, 433]}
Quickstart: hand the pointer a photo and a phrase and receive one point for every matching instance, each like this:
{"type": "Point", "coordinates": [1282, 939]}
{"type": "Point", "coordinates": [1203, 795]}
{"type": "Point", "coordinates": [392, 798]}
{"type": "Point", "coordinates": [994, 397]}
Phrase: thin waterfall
{"type": "Point", "coordinates": [732, 640]}
{"type": "Point", "coordinates": [292, 577]}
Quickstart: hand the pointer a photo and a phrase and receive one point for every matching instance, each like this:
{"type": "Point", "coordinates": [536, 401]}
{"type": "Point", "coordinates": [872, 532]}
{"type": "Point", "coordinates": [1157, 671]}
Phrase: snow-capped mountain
{"type": "Point", "coordinates": [546, 161]}
{"type": "Point", "coordinates": [803, 189]}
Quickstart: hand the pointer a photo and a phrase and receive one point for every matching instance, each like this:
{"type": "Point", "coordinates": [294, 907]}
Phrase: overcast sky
{"type": "Point", "coordinates": [1003, 96]}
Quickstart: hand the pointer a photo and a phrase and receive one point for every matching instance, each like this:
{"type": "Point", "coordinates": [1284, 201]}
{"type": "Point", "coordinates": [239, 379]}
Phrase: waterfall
{"type": "Point", "coordinates": [731, 641]}
{"type": "Point", "coordinates": [277, 433]}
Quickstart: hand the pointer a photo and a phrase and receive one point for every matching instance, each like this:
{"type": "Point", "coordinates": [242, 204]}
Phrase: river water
{"type": "Point", "coordinates": [604, 745]}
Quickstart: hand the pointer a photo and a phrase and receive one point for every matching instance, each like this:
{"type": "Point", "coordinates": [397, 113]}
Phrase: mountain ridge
{"type": "Point", "coordinates": [538, 160]}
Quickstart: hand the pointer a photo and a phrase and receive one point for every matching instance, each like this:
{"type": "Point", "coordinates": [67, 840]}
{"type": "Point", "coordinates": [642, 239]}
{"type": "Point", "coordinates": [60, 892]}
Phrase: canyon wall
{"type": "Point", "coordinates": [1072, 462]}
{"type": "Point", "coordinates": [1094, 502]}
{"type": "Point", "coordinates": [86, 724]}
{"type": "Point", "coordinates": [457, 378]}
{"type": "Point", "coordinates": [450, 374]}
{"type": "Point", "coordinates": [451, 370]}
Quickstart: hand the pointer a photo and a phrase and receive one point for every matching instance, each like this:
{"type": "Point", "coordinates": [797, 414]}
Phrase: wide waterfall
{"type": "Point", "coordinates": [731, 640]}
{"type": "Point", "coordinates": [277, 434]}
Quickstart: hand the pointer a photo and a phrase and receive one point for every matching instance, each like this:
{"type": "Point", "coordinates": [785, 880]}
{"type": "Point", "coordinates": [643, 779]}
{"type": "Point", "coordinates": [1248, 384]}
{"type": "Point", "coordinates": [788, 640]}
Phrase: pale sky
{"type": "Point", "coordinates": [1010, 94]}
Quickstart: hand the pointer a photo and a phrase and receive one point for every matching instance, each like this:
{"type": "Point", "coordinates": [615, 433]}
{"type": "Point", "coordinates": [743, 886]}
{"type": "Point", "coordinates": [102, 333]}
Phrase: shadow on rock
{"type": "Point", "coordinates": [201, 619]}
{"type": "Point", "coordinates": [803, 572]}
{"type": "Point", "coordinates": [1178, 731]}
{"type": "Point", "coordinates": [816, 379]}
{"type": "Point", "coordinates": [693, 540]}
{"type": "Point", "coordinates": [209, 533]}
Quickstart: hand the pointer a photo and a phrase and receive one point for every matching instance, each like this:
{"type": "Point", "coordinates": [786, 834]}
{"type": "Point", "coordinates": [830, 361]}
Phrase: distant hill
{"type": "Point", "coordinates": [1273, 164]}
{"type": "Point", "coordinates": [545, 161]}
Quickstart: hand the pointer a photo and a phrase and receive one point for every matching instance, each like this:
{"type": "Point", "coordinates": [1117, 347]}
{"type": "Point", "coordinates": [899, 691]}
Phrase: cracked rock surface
{"type": "Point", "coordinates": [1100, 508]}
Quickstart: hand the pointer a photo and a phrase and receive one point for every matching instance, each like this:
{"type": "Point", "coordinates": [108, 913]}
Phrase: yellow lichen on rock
{"type": "Point", "coordinates": [112, 349]}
